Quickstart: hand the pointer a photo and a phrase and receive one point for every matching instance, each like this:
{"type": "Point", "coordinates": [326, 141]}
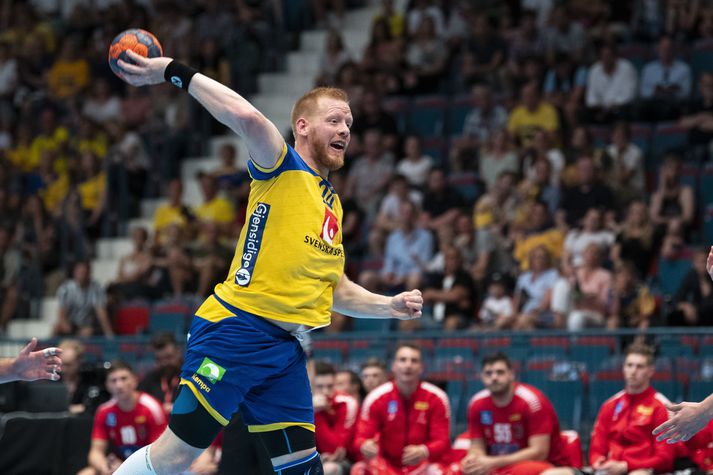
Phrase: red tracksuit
{"type": "Point", "coordinates": [334, 427]}
{"type": "Point", "coordinates": [622, 431]}
{"type": "Point", "coordinates": [423, 419]}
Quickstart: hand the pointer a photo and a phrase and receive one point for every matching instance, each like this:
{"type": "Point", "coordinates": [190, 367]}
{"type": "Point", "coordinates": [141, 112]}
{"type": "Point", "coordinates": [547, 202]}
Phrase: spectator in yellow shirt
{"type": "Point", "coordinates": [215, 208]}
{"type": "Point", "coordinates": [531, 115]}
{"type": "Point", "coordinates": [173, 212]}
{"type": "Point", "coordinates": [52, 137]}
{"type": "Point", "coordinates": [70, 74]}
{"type": "Point", "coordinates": [539, 232]}
{"type": "Point", "coordinates": [92, 191]}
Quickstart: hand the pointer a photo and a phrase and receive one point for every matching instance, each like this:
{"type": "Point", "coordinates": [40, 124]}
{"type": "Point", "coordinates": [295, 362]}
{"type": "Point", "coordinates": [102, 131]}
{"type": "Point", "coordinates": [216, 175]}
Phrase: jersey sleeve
{"type": "Point", "coordinates": [661, 460]}
{"type": "Point", "coordinates": [541, 420]}
{"type": "Point", "coordinates": [288, 160]}
{"type": "Point", "coordinates": [598, 447]}
{"type": "Point", "coordinates": [368, 425]}
{"type": "Point", "coordinates": [474, 426]}
{"type": "Point", "coordinates": [99, 431]}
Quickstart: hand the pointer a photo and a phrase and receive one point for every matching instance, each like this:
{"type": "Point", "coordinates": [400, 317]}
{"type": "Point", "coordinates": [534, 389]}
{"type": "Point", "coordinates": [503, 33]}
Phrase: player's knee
{"type": "Point", "coordinates": [170, 454]}
{"type": "Point", "coordinates": [290, 440]}
{"type": "Point", "coordinates": [331, 468]}
{"type": "Point", "coordinates": [191, 422]}
{"type": "Point", "coordinates": [311, 464]}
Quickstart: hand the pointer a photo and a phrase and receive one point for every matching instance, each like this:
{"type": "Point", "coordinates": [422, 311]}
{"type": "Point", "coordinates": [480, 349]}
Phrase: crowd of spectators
{"type": "Point", "coordinates": [539, 208]}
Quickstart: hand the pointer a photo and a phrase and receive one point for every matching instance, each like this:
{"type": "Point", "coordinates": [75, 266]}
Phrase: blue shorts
{"type": "Point", "coordinates": [237, 361]}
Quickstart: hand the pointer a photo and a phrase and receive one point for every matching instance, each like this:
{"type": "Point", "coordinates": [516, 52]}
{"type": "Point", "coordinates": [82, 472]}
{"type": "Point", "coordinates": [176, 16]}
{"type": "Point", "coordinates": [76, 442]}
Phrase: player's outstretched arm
{"type": "Point", "coordinates": [262, 138]}
{"type": "Point", "coordinates": [31, 365]}
{"type": "Point", "coordinates": [685, 421]}
{"type": "Point", "coordinates": [355, 301]}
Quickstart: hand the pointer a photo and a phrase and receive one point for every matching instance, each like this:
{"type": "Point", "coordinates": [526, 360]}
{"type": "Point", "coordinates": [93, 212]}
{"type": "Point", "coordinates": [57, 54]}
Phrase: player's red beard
{"type": "Point", "coordinates": [320, 154]}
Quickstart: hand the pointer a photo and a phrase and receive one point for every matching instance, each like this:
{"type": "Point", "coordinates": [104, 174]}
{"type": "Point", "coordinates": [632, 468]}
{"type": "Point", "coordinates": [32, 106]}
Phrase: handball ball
{"type": "Point", "coordinates": [139, 41]}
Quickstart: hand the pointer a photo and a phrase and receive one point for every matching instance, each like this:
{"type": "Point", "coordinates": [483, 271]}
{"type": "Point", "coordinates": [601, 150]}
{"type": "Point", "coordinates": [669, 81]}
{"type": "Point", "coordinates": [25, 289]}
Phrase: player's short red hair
{"type": "Point", "coordinates": [308, 102]}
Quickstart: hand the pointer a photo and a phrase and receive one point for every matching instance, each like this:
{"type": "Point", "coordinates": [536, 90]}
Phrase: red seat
{"type": "Point", "coordinates": [131, 320]}
{"type": "Point", "coordinates": [572, 447]}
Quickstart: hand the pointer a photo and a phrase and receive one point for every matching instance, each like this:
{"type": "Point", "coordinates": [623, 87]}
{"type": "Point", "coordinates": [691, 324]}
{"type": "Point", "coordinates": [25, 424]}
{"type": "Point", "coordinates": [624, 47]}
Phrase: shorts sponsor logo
{"type": "Point", "coordinates": [200, 383]}
{"type": "Point", "coordinates": [253, 242]}
{"type": "Point", "coordinates": [211, 370]}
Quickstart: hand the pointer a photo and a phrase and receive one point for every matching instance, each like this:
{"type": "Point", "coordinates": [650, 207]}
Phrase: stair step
{"type": "Point", "coordinates": [113, 248]}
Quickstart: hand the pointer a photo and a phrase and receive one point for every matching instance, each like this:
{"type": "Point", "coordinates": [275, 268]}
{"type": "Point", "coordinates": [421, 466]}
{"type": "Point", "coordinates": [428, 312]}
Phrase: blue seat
{"type": "Point", "coordinates": [701, 60]}
{"type": "Point", "coordinates": [168, 322]}
{"type": "Point", "coordinates": [567, 399]}
{"type": "Point", "coordinates": [381, 325]}
{"type": "Point", "coordinates": [436, 148]}
{"type": "Point", "coordinates": [399, 108]}
{"type": "Point", "coordinates": [600, 390]}
{"type": "Point", "coordinates": [668, 137]}
{"type": "Point", "coordinates": [671, 272]}
{"type": "Point", "coordinates": [427, 116]}
{"type": "Point", "coordinates": [699, 389]}
{"type": "Point", "coordinates": [706, 186]}
{"type": "Point", "coordinates": [458, 110]}
{"type": "Point", "coordinates": [330, 355]}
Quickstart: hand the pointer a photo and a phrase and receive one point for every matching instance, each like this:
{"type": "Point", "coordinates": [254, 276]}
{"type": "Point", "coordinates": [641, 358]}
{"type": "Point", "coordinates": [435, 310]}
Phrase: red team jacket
{"type": "Point", "coordinates": [506, 430]}
{"type": "Point", "coordinates": [422, 419]}
{"type": "Point", "coordinates": [128, 431]}
{"type": "Point", "coordinates": [335, 427]}
{"type": "Point", "coordinates": [622, 431]}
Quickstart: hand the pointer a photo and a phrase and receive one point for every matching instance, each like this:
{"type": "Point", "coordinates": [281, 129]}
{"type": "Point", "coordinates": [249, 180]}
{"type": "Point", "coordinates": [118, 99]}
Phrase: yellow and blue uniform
{"type": "Point", "coordinates": [288, 261]}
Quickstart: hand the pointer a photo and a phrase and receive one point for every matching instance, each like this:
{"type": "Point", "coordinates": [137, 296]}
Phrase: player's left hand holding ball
{"type": "Point", "coordinates": [407, 305]}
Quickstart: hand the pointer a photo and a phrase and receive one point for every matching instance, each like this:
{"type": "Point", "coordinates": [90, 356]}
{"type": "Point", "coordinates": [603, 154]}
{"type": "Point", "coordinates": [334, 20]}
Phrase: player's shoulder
{"type": "Point", "coordinates": [479, 399]}
{"type": "Point", "coordinates": [289, 160]}
{"type": "Point", "coordinates": [613, 399]}
{"type": "Point", "coordinates": [530, 396]}
{"type": "Point", "coordinates": [661, 400]}
{"type": "Point", "coordinates": [377, 394]}
{"type": "Point", "coordinates": [106, 408]}
{"type": "Point", "coordinates": [435, 392]}
{"type": "Point", "coordinates": [151, 405]}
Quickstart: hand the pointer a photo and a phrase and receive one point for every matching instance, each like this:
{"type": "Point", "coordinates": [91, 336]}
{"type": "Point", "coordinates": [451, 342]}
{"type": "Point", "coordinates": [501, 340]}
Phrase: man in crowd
{"type": "Point", "coordinates": [621, 440]}
{"type": "Point", "coordinates": [373, 374]}
{"type": "Point", "coordinates": [513, 426]}
{"type": "Point", "coordinates": [130, 420]}
{"type": "Point", "coordinates": [162, 381]}
{"type": "Point", "coordinates": [404, 424]}
{"type": "Point", "coordinates": [335, 415]}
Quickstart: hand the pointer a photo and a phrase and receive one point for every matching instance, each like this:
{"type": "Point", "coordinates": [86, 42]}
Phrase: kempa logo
{"type": "Point", "coordinates": [211, 370]}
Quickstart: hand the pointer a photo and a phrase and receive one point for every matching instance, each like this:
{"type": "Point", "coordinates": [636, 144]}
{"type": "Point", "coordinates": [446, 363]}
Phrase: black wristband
{"type": "Point", "coordinates": [179, 74]}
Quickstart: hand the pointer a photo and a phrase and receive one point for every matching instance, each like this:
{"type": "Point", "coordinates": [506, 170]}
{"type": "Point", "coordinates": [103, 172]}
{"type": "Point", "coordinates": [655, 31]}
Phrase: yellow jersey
{"type": "Point", "coordinates": [289, 257]}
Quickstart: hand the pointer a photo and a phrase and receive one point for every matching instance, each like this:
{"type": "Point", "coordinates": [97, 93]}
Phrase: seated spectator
{"type": "Point", "coordinates": [137, 278]}
{"type": "Point", "coordinates": [497, 311]}
{"type": "Point", "coordinates": [102, 106]}
{"type": "Point", "coordinates": [539, 230]}
{"type": "Point", "coordinates": [665, 84]}
{"type": "Point", "coordinates": [497, 155]}
{"type": "Point", "coordinates": [484, 53]}
{"type": "Point", "coordinates": [393, 17]}
{"type": "Point", "coordinates": [479, 125]}
{"type": "Point", "coordinates": [335, 56]}
{"type": "Point", "coordinates": [538, 186]}
{"type": "Point", "coordinates": [611, 86]}
{"type": "Point", "coordinates": [586, 192]}
{"type": "Point", "coordinates": [625, 172]}
{"type": "Point", "coordinates": [404, 424]}
{"type": "Point", "coordinates": [389, 217]}
{"type": "Point", "coordinates": [70, 73]}
{"type": "Point", "coordinates": [543, 148]}
{"type": "Point", "coordinates": [162, 381]}
{"type": "Point", "coordinates": [174, 259]}
{"type": "Point", "coordinates": [527, 42]}
{"type": "Point", "coordinates": [215, 208]}
{"type": "Point", "coordinates": [415, 165]}
{"type": "Point", "coordinates": [373, 374]}
{"type": "Point", "coordinates": [621, 439]}
{"type": "Point", "coordinates": [564, 35]}
{"type": "Point", "coordinates": [635, 238]}
{"type": "Point", "coordinates": [10, 267]}
{"type": "Point", "coordinates": [565, 82]}
{"type": "Point", "coordinates": [348, 382]}
{"type": "Point", "coordinates": [513, 426]}
{"type": "Point", "coordinates": [491, 214]}
{"type": "Point", "coordinates": [421, 9]}
{"type": "Point", "coordinates": [370, 173]}
{"type": "Point", "coordinates": [174, 212]}
{"type": "Point", "coordinates": [372, 116]}
{"type": "Point", "coordinates": [581, 295]}
{"type": "Point", "coordinates": [228, 175]}
{"type": "Point", "coordinates": [464, 238]}
{"type": "Point", "coordinates": [631, 304]}
{"type": "Point", "coordinates": [698, 117]}
{"type": "Point", "coordinates": [673, 204]}
{"type": "Point", "coordinates": [211, 258]}
{"type": "Point", "coordinates": [131, 419]}
{"type": "Point", "coordinates": [440, 201]}
{"type": "Point", "coordinates": [693, 301]}
{"type": "Point", "coordinates": [82, 305]}
{"type": "Point", "coordinates": [84, 395]}
{"type": "Point", "coordinates": [408, 249]}
{"type": "Point", "coordinates": [426, 57]}
{"type": "Point", "coordinates": [382, 60]}
{"type": "Point", "coordinates": [532, 114]}
{"type": "Point", "coordinates": [578, 239]}
{"type": "Point", "coordinates": [533, 293]}
{"type": "Point", "coordinates": [335, 415]}
{"type": "Point", "coordinates": [450, 293]}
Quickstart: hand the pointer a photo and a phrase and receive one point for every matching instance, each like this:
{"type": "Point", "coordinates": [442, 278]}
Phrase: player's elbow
{"type": "Point", "coordinates": [540, 453]}
{"type": "Point", "coordinates": [246, 122]}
